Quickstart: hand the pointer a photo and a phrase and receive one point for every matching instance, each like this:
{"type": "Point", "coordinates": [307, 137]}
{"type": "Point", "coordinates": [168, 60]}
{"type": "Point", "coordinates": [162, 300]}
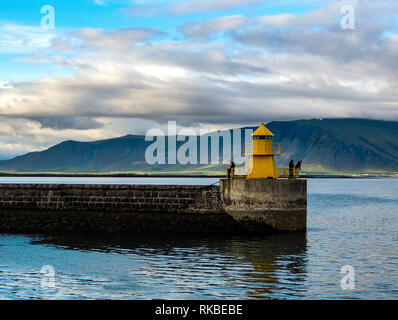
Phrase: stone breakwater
{"type": "Point", "coordinates": [266, 204]}
{"type": "Point", "coordinates": [57, 208]}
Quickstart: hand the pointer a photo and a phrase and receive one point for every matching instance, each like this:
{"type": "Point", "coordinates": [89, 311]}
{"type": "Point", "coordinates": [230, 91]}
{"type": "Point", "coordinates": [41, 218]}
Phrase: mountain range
{"type": "Point", "coordinates": [328, 145]}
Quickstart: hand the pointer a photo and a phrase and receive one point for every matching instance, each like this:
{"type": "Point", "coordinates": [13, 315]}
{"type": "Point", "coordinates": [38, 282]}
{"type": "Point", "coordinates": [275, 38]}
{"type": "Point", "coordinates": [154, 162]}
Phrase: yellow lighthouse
{"type": "Point", "coordinates": [261, 157]}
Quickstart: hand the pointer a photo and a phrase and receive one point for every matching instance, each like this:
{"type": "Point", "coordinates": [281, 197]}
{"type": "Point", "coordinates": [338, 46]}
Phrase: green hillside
{"type": "Point", "coordinates": [340, 144]}
{"type": "Point", "coordinates": [330, 145]}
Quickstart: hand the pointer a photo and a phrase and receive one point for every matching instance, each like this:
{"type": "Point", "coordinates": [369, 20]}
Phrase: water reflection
{"type": "Point", "coordinates": [279, 262]}
{"type": "Point", "coordinates": [350, 222]}
{"type": "Point", "coordinates": [193, 267]}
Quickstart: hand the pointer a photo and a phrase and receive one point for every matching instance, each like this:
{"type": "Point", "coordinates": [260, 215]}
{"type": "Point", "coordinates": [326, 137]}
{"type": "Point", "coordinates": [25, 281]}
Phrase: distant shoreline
{"type": "Point", "coordinates": [129, 175]}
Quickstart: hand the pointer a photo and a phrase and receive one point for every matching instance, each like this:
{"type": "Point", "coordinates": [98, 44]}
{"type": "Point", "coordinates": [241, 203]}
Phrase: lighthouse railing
{"type": "Point", "coordinates": [276, 150]}
{"type": "Point", "coordinates": [285, 173]}
{"type": "Point", "coordinates": [242, 171]}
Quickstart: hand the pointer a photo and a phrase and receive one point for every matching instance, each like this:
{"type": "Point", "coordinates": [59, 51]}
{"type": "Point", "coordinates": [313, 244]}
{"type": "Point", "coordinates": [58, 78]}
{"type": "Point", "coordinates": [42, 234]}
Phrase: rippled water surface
{"type": "Point", "coordinates": [350, 222]}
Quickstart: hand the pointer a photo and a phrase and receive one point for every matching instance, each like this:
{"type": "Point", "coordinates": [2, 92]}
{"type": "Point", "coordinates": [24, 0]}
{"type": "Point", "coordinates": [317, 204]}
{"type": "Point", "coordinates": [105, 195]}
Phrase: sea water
{"type": "Point", "coordinates": [350, 251]}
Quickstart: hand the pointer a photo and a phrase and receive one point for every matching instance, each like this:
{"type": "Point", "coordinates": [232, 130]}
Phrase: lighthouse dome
{"type": "Point", "coordinates": [262, 131]}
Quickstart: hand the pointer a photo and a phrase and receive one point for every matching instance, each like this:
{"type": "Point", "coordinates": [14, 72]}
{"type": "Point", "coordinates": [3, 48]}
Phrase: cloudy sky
{"type": "Point", "coordinates": [114, 67]}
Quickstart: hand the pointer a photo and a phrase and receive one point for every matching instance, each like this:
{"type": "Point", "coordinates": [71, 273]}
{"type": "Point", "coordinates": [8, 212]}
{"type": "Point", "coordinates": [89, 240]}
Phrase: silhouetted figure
{"type": "Point", "coordinates": [291, 169]}
{"type": "Point", "coordinates": [230, 169]}
{"type": "Point", "coordinates": [298, 168]}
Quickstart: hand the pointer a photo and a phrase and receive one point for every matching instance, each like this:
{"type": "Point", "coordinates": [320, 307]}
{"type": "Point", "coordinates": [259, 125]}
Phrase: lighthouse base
{"type": "Point", "coordinates": [262, 205]}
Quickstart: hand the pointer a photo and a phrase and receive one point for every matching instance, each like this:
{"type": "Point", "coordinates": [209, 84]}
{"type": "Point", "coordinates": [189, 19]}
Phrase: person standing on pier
{"type": "Point", "coordinates": [291, 169]}
{"type": "Point", "coordinates": [230, 169]}
{"type": "Point", "coordinates": [298, 168]}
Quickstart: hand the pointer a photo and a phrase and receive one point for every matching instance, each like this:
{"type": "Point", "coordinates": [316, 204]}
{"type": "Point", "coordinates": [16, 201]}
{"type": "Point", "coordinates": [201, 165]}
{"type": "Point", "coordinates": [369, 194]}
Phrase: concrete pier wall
{"type": "Point", "coordinates": [235, 206]}
{"type": "Point", "coordinates": [266, 204]}
{"type": "Point", "coordinates": [112, 208]}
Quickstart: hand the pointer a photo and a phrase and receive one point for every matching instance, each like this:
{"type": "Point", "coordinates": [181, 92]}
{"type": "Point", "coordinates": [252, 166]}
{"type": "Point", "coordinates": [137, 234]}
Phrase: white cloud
{"type": "Point", "coordinates": [22, 39]}
{"type": "Point", "coordinates": [213, 26]}
{"type": "Point", "coordinates": [268, 68]}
